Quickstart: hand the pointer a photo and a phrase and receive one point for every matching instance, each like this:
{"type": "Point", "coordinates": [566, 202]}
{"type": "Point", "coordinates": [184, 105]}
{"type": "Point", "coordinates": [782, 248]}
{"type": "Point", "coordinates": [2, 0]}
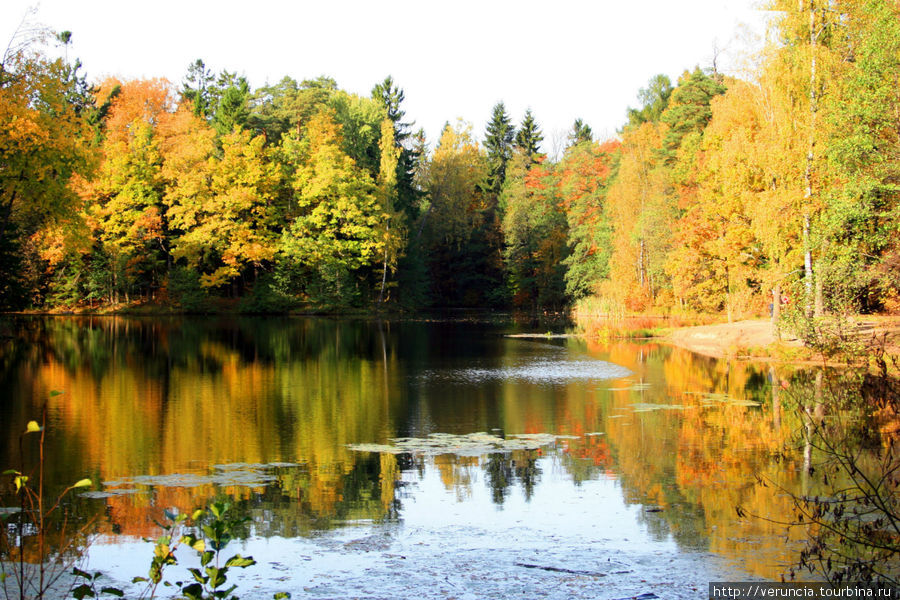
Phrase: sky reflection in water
{"type": "Point", "coordinates": [153, 406]}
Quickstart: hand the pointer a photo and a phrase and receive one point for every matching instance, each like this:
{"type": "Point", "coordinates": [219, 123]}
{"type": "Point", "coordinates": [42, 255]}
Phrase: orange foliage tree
{"type": "Point", "coordinates": [583, 178]}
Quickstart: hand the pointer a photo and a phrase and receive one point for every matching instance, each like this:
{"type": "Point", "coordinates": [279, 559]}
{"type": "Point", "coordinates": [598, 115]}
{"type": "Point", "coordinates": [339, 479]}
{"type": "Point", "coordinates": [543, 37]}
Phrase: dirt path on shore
{"type": "Point", "coordinates": [741, 338]}
{"type": "Point", "coordinates": [755, 338]}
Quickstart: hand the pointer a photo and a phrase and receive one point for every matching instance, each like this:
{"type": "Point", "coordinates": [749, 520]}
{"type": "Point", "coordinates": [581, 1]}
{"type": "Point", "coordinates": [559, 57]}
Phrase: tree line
{"type": "Point", "coordinates": [720, 194]}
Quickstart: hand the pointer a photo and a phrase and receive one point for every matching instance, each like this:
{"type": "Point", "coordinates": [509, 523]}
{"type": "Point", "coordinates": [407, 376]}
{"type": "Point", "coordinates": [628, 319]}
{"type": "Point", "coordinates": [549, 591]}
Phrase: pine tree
{"type": "Point", "coordinates": [274, 109]}
{"type": "Point", "coordinates": [688, 110]}
{"type": "Point", "coordinates": [196, 88]}
{"type": "Point", "coordinates": [408, 195]}
{"type": "Point", "coordinates": [392, 97]}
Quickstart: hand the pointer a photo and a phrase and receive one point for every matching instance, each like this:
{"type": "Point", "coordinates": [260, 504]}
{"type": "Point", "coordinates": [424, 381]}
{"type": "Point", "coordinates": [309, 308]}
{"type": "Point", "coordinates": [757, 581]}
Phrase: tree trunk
{"type": "Point", "coordinates": [384, 265]}
{"type": "Point", "coordinates": [776, 397]}
{"type": "Point", "coordinates": [776, 311]}
{"type": "Point", "coordinates": [807, 268]}
{"type": "Point", "coordinates": [728, 296]}
{"type": "Point", "coordinates": [641, 264]}
{"type": "Point", "coordinates": [6, 214]}
{"type": "Point", "coordinates": [810, 158]}
{"type": "Point", "coordinates": [819, 303]}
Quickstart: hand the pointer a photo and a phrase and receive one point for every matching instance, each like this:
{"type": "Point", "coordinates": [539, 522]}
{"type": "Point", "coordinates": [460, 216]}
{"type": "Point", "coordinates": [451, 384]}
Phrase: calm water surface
{"type": "Point", "coordinates": [398, 459]}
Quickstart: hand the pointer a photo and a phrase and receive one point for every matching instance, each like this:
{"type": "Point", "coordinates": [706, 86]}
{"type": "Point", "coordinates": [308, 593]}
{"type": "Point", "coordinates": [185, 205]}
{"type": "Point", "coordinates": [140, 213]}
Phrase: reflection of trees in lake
{"type": "Point", "coordinates": [155, 397]}
{"type": "Point", "coordinates": [498, 469]}
{"type": "Point", "coordinates": [162, 396]}
{"type": "Point", "coordinates": [697, 461]}
{"type": "Point", "coordinates": [457, 473]}
{"type": "Point", "coordinates": [504, 470]}
{"type": "Point", "coordinates": [848, 503]}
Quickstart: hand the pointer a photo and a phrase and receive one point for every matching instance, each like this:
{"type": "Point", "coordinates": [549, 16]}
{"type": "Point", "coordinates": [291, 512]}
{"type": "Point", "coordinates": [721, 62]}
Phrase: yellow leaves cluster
{"type": "Point", "coordinates": [43, 142]}
{"type": "Point", "coordinates": [639, 207]}
{"type": "Point", "coordinates": [457, 167]}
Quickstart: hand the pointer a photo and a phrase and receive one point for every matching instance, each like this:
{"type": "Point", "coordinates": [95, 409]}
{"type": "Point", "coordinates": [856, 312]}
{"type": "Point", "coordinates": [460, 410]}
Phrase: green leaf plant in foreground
{"type": "Point", "coordinates": [31, 510]}
{"type": "Point", "coordinates": [207, 532]}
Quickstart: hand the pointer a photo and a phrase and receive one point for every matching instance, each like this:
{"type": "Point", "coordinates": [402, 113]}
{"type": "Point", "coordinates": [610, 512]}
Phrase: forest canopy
{"type": "Point", "coordinates": [718, 195]}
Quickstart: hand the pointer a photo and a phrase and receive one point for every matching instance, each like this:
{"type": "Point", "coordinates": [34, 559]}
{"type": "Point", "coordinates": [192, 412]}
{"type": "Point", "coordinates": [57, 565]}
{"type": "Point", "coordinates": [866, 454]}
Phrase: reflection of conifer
{"type": "Point", "coordinates": [499, 471]}
{"type": "Point", "coordinates": [528, 472]}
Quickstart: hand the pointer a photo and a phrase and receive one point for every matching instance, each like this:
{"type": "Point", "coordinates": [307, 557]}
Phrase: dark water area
{"type": "Point", "coordinates": [396, 458]}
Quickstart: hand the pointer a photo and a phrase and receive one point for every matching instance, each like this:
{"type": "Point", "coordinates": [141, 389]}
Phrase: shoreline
{"type": "Point", "coordinates": [754, 339]}
{"type": "Point", "coordinates": [750, 339]}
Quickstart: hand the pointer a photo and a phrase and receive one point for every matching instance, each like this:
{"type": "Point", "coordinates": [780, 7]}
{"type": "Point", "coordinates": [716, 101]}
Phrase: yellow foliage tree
{"type": "Point", "coordinates": [338, 227]}
{"type": "Point", "coordinates": [457, 167]}
{"type": "Point", "coordinates": [44, 140]}
{"type": "Point", "coordinates": [715, 253]}
{"type": "Point", "coordinates": [640, 211]}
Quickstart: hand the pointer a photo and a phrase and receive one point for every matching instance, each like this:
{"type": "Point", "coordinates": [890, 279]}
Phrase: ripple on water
{"type": "Point", "coordinates": [537, 371]}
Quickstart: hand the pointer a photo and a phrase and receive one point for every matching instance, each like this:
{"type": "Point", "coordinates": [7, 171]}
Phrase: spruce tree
{"type": "Point", "coordinates": [233, 103]}
{"type": "Point", "coordinates": [529, 137]}
{"type": "Point", "coordinates": [581, 132]}
{"type": "Point", "coordinates": [498, 142]}
{"type": "Point", "coordinates": [392, 97]}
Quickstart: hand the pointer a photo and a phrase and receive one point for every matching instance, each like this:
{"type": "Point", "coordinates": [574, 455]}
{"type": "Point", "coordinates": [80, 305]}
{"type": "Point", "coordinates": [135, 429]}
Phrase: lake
{"type": "Point", "coordinates": [437, 459]}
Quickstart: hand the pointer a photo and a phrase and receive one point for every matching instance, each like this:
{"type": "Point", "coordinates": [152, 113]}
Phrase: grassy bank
{"type": "Point", "coordinates": [600, 319]}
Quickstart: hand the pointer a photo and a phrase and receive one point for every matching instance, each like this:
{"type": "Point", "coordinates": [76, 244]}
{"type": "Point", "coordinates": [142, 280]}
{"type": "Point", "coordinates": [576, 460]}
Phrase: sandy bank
{"type": "Point", "coordinates": [753, 337]}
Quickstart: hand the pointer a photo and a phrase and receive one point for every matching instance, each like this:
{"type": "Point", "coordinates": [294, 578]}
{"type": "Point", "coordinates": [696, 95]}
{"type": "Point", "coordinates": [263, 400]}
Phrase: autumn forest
{"type": "Point", "coordinates": [719, 195]}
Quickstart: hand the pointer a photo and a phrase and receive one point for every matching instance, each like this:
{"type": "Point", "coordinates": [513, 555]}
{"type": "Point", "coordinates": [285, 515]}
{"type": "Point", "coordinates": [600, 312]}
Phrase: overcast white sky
{"type": "Point", "coordinates": [563, 59]}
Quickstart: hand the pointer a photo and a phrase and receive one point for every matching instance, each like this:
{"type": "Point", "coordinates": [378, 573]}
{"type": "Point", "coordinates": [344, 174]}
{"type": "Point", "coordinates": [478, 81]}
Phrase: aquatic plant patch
{"type": "Point", "coordinates": [232, 474]}
{"type": "Point", "coordinates": [712, 399]}
{"type": "Point", "coordinates": [471, 444]}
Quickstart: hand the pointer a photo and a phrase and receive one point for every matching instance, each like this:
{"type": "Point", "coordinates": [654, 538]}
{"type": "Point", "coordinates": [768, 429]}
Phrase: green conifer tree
{"type": "Point", "coordinates": [233, 103]}
{"type": "Point", "coordinates": [196, 88]}
{"type": "Point", "coordinates": [689, 109]}
{"type": "Point", "coordinates": [654, 99]}
{"type": "Point", "coordinates": [498, 143]}
{"type": "Point", "coordinates": [581, 132]}
{"type": "Point", "coordinates": [392, 98]}
{"type": "Point", "coordinates": [529, 137]}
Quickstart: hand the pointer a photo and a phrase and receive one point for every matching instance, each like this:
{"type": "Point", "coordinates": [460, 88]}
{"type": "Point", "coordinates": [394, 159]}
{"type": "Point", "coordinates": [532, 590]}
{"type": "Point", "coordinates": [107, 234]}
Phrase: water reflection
{"type": "Point", "coordinates": [273, 413]}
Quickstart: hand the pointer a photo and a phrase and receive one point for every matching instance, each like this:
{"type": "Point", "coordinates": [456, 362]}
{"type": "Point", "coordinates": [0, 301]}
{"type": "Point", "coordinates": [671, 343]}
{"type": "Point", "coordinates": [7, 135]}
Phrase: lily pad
{"type": "Point", "coordinates": [471, 444]}
{"type": "Point", "coordinates": [635, 387]}
{"type": "Point", "coordinates": [714, 398]}
{"type": "Point", "coordinates": [649, 406]}
{"type": "Point", "coordinates": [231, 474]}
{"type": "Point", "coordinates": [112, 492]}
